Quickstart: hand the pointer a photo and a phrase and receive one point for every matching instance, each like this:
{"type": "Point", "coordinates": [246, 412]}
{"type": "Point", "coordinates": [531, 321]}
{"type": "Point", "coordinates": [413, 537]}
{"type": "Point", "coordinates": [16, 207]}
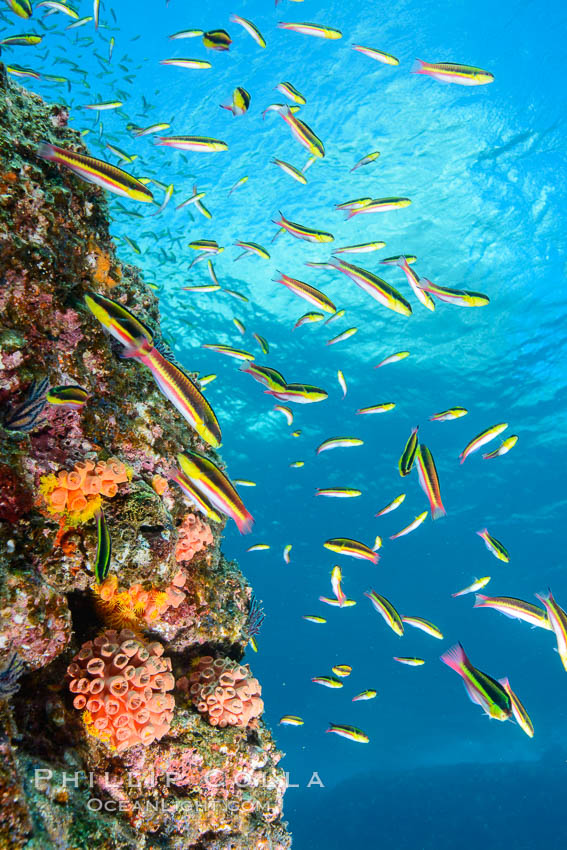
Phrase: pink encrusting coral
{"type": "Point", "coordinates": [225, 692]}
{"type": "Point", "coordinates": [194, 535]}
{"type": "Point", "coordinates": [120, 684]}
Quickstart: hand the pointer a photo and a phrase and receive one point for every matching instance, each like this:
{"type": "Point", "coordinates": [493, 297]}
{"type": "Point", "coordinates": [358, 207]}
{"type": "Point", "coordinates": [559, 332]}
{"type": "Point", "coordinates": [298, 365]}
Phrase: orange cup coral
{"type": "Point", "coordinates": [134, 607]}
{"type": "Point", "coordinates": [77, 494]}
{"type": "Point", "coordinates": [225, 692]}
{"type": "Point", "coordinates": [194, 535]}
{"type": "Point", "coordinates": [120, 684]}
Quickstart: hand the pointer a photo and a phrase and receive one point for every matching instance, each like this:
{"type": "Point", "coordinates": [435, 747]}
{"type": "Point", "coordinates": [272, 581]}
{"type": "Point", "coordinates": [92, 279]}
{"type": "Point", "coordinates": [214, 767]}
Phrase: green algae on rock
{"type": "Point", "coordinates": [199, 786]}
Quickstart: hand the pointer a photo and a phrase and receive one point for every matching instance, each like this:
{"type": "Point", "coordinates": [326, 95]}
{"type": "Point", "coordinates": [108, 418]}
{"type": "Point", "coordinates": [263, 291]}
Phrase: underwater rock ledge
{"type": "Point", "coordinates": [172, 604]}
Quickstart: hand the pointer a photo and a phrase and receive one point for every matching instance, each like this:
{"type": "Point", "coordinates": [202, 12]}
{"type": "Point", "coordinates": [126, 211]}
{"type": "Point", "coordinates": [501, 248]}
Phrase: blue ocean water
{"type": "Point", "coordinates": [485, 170]}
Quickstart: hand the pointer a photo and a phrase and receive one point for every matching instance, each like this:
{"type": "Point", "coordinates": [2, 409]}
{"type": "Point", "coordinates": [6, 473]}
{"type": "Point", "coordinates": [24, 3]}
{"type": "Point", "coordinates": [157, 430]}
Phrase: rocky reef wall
{"type": "Point", "coordinates": [65, 781]}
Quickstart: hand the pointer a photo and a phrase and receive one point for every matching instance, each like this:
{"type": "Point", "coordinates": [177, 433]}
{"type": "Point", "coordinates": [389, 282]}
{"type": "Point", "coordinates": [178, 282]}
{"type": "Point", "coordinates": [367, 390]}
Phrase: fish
{"type": "Point", "coordinates": [339, 313]}
{"type": "Point", "coordinates": [217, 40]}
{"type": "Point", "coordinates": [387, 611]}
{"type": "Point", "coordinates": [250, 28]}
{"type": "Point", "coordinates": [516, 609]}
{"type": "Point", "coordinates": [240, 101]}
{"type": "Point", "coordinates": [338, 492]}
{"type": "Point", "coordinates": [503, 448]}
{"type": "Point", "coordinates": [449, 415]}
{"type": "Point", "coordinates": [27, 40]}
{"type": "Point", "coordinates": [104, 105]}
{"type": "Point", "coordinates": [96, 10]}
{"type": "Point", "coordinates": [302, 232]}
{"type": "Point", "coordinates": [153, 128]}
{"type": "Point", "coordinates": [314, 618]}
{"type": "Point", "coordinates": [287, 552]}
{"type": "Point", "coordinates": [459, 297]}
{"type": "Point", "coordinates": [243, 482]}
{"type": "Point", "coordinates": [239, 326]}
{"type": "Point", "coordinates": [97, 171]}
{"type": "Point", "coordinates": [363, 248]}
{"type": "Point", "coordinates": [235, 294]}
{"type": "Point", "coordinates": [411, 527]}
{"type": "Point", "coordinates": [424, 626]}
{"type": "Point", "coordinates": [308, 318]}
{"type": "Point", "coordinates": [186, 34]}
{"type": "Point", "coordinates": [103, 548]}
{"type": "Point", "coordinates": [353, 548]}
{"type": "Point", "coordinates": [410, 661]}
{"type": "Point", "coordinates": [287, 412]}
{"type": "Point", "coordinates": [342, 336]}
{"type": "Point", "coordinates": [342, 382]}
{"type": "Point", "coordinates": [558, 620]}
{"type": "Point", "coordinates": [237, 353]}
{"type": "Point", "coordinates": [259, 547]}
{"type": "Point", "coordinates": [393, 358]}
{"type": "Point", "coordinates": [348, 603]}
{"type": "Point", "coordinates": [19, 71]}
{"type": "Point", "coordinates": [171, 380]}
{"type": "Point", "coordinates": [299, 393]}
{"type": "Point", "coordinates": [450, 72]}
{"type": "Point", "coordinates": [80, 23]}
{"type": "Point", "coordinates": [375, 287]}
{"type": "Point", "coordinates": [372, 53]}
{"type": "Point", "coordinates": [429, 481]}
{"type": "Point", "coordinates": [271, 378]}
{"type": "Point", "coordinates": [291, 720]}
{"type": "Point", "coordinates": [263, 343]}
{"type": "Point", "coordinates": [414, 282]}
{"type": "Point", "coordinates": [199, 144]}
{"type": "Point", "coordinates": [189, 64]}
{"type": "Point", "coordinates": [307, 292]}
{"type": "Point", "coordinates": [202, 288]}
{"type": "Point", "coordinates": [311, 29]}
{"type": "Point", "coordinates": [290, 170]}
{"type": "Point", "coordinates": [395, 261]}
{"type": "Point", "coordinates": [327, 681]}
{"type": "Point", "coordinates": [481, 688]}
{"type": "Point", "coordinates": [392, 506]}
{"type": "Point", "coordinates": [365, 695]}
{"type": "Point", "coordinates": [70, 395]}
{"type": "Point", "coordinates": [336, 579]}
{"type": "Point", "coordinates": [478, 584]}
{"type": "Point", "coordinates": [493, 545]}
{"type": "Point", "coordinates": [380, 205]}
{"type": "Point", "coordinates": [252, 248]}
{"type": "Point", "coordinates": [521, 716]}
{"type": "Point", "coordinates": [351, 733]}
{"type": "Point", "coordinates": [197, 499]}
{"type": "Point", "coordinates": [22, 8]}
{"type": "Point", "coordinates": [288, 90]}
{"type": "Point", "coordinates": [338, 443]}
{"type": "Point", "coordinates": [26, 415]}
{"type": "Point", "coordinates": [407, 458]}
{"type": "Point", "coordinates": [342, 670]}
{"type": "Point", "coordinates": [354, 204]}
{"type": "Point", "coordinates": [302, 132]}
{"type": "Point", "coordinates": [216, 487]}
{"type": "Point", "coordinates": [366, 160]}
{"type": "Point", "coordinates": [376, 408]}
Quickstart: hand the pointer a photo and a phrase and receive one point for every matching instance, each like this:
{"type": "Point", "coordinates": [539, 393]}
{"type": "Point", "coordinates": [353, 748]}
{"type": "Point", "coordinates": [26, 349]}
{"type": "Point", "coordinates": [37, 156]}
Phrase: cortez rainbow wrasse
{"type": "Point", "coordinates": [216, 487]}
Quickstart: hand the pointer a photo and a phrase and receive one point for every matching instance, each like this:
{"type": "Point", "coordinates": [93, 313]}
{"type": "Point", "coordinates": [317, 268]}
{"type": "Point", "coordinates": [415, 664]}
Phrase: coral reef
{"type": "Point", "coordinates": [195, 785]}
{"type": "Point", "coordinates": [193, 535]}
{"type": "Point", "coordinates": [225, 692]}
{"type": "Point", "coordinates": [120, 683]}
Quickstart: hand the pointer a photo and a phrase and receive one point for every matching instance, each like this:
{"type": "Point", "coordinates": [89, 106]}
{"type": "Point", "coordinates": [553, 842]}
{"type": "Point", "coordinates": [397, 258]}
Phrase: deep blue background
{"type": "Point", "coordinates": [485, 170]}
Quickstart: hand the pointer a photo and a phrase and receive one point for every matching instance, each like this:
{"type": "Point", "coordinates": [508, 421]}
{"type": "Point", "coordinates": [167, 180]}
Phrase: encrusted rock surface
{"type": "Point", "coordinates": [199, 786]}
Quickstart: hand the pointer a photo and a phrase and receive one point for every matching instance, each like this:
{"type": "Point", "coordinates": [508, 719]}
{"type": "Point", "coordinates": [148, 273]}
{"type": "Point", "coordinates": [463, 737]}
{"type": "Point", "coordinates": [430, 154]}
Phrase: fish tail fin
{"type": "Point", "coordinates": [351, 214]}
{"type": "Point", "coordinates": [47, 151]}
{"type": "Point", "coordinates": [462, 458]}
{"type": "Point", "coordinates": [479, 600]}
{"type": "Point", "coordinates": [505, 683]}
{"type": "Point", "coordinates": [245, 522]}
{"type": "Point", "coordinates": [419, 67]}
{"type": "Point", "coordinates": [482, 531]}
{"type": "Point", "coordinates": [225, 106]}
{"type": "Point", "coordinates": [456, 658]}
{"type": "Point", "coordinates": [438, 511]}
{"type": "Point", "coordinates": [545, 596]}
{"type": "Point", "coordinates": [139, 347]}
{"type": "Point", "coordinates": [401, 262]}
